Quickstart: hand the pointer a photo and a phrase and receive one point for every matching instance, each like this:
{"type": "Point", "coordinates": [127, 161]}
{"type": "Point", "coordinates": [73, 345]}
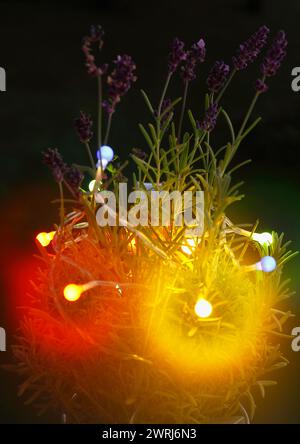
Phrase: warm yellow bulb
{"type": "Point", "coordinates": [45, 238]}
{"type": "Point", "coordinates": [203, 308]}
{"type": "Point", "coordinates": [263, 238]}
{"type": "Point", "coordinates": [72, 292]}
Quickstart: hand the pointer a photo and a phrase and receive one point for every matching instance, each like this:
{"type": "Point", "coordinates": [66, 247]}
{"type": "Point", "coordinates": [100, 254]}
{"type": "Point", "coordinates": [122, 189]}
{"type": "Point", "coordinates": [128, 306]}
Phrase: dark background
{"type": "Point", "coordinates": [47, 86]}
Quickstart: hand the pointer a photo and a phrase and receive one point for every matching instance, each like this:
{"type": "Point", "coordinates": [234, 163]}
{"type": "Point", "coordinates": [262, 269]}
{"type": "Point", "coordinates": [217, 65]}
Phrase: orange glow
{"type": "Point", "coordinates": [45, 238]}
{"type": "Point", "coordinates": [72, 292]}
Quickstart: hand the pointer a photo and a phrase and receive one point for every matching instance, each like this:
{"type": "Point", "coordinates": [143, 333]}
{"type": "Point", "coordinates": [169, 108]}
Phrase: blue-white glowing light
{"type": "Point", "coordinates": [106, 153]}
{"type": "Point", "coordinates": [266, 264]}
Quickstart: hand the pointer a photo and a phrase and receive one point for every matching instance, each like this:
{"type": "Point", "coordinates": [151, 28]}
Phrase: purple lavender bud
{"type": "Point", "coordinates": [108, 106]}
{"type": "Point", "coordinates": [176, 56]}
{"type": "Point", "coordinates": [275, 55]}
{"type": "Point", "coordinates": [54, 161]}
{"type": "Point", "coordinates": [83, 126]}
{"type": "Point", "coordinates": [217, 76]}
{"type": "Point", "coordinates": [119, 81]}
{"type": "Point", "coordinates": [260, 86]}
{"type": "Point", "coordinates": [210, 119]}
{"type": "Point", "coordinates": [251, 48]}
{"type": "Point", "coordinates": [194, 56]}
{"type": "Point", "coordinates": [73, 177]}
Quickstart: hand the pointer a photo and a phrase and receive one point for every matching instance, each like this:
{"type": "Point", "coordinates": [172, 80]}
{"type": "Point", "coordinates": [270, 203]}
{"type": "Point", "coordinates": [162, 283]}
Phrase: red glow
{"type": "Point", "coordinates": [52, 335]}
{"type": "Point", "coordinates": [21, 270]}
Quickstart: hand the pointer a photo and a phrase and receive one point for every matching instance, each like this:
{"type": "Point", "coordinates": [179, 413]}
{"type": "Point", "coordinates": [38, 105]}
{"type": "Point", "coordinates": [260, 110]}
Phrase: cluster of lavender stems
{"type": "Point", "coordinates": [122, 77]}
{"type": "Point", "coordinates": [220, 76]}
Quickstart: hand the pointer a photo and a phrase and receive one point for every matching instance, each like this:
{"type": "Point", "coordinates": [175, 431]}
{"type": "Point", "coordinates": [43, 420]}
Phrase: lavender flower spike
{"type": "Point", "coordinates": [210, 119]}
{"type": "Point", "coordinates": [275, 55]}
{"type": "Point", "coordinates": [119, 81]}
{"type": "Point", "coordinates": [83, 125]}
{"type": "Point", "coordinates": [194, 56]}
{"type": "Point", "coordinates": [54, 161]}
{"type": "Point", "coordinates": [251, 48]}
{"type": "Point", "coordinates": [217, 76]}
{"type": "Point", "coordinates": [176, 56]}
{"type": "Point", "coordinates": [73, 177]}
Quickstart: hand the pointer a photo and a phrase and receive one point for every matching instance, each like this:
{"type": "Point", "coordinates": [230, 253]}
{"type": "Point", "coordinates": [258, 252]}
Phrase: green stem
{"type": "Point", "coordinates": [158, 127]}
{"type": "Point", "coordinates": [99, 79]}
{"type": "Point", "coordinates": [158, 160]}
{"type": "Point", "coordinates": [237, 141]}
{"type": "Point", "coordinates": [220, 95]}
{"type": "Point", "coordinates": [163, 94]}
{"type": "Point", "coordinates": [186, 85]}
{"type": "Point", "coordinates": [247, 116]}
{"type": "Point", "coordinates": [62, 208]}
{"type": "Point", "coordinates": [108, 128]}
{"type": "Point", "coordinates": [90, 155]}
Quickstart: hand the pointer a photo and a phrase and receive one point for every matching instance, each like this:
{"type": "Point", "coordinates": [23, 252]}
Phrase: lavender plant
{"type": "Point", "coordinates": [135, 348]}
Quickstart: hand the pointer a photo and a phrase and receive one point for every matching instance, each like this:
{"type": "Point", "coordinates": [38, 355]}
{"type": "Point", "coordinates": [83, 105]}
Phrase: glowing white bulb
{"type": "Point", "coordinates": [266, 264]}
{"type": "Point", "coordinates": [203, 308]}
{"type": "Point", "coordinates": [106, 153]}
{"type": "Point", "coordinates": [263, 238]}
{"type": "Point", "coordinates": [188, 249]}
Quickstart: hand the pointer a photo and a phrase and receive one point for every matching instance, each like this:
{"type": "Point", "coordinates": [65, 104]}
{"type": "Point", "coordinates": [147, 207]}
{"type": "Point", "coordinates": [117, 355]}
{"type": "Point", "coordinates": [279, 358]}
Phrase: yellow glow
{"type": "Point", "coordinates": [72, 292]}
{"type": "Point", "coordinates": [45, 238]}
{"type": "Point", "coordinates": [203, 308]}
{"type": "Point", "coordinates": [263, 238]}
{"type": "Point", "coordinates": [222, 339]}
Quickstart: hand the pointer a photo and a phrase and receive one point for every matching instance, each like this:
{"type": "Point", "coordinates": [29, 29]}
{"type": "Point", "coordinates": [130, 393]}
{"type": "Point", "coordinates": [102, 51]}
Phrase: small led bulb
{"type": "Point", "coordinates": [266, 264]}
{"type": "Point", "coordinates": [106, 152]}
{"type": "Point", "coordinates": [189, 249]}
{"type": "Point", "coordinates": [45, 238]}
{"type": "Point", "coordinates": [72, 292]}
{"type": "Point", "coordinates": [263, 238]}
{"type": "Point", "coordinates": [203, 308]}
